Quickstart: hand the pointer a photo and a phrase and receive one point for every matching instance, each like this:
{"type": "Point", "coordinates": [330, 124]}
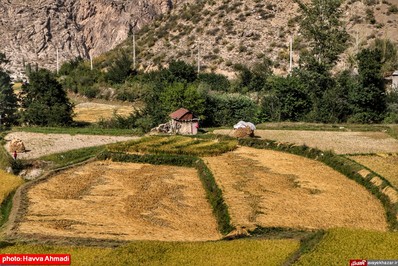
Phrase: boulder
{"type": "Point", "coordinates": [17, 145]}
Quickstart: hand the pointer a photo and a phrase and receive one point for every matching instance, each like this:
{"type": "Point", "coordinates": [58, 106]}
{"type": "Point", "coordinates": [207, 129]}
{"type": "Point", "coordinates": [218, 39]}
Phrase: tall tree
{"type": "Point", "coordinates": [322, 27]}
{"type": "Point", "coordinates": [8, 99]}
{"type": "Point", "coordinates": [44, 102]}
{"type": "Point", "coordinates": [368, 99]}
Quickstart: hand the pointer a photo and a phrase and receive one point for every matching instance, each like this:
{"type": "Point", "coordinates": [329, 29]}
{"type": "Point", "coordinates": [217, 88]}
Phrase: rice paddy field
{"type": "Point", "coordinates": [339, 142]}
{"type": "Point", "coordinates": [8, 183]}
{"type": "Point", "coordinates": [176, 145]}
{"type": "Point", "coordinates": [384, 164]}
{"type": "Point", "coordinates": [239, 252]}
{"type": "Point", "coordinates": [92, 112]}
{"type": "Point", "coordinates": [342, 245]}
{"type": "Point", "coordinates": [120, 201]}
{"type": "Point", "coordinates": [275, 189]}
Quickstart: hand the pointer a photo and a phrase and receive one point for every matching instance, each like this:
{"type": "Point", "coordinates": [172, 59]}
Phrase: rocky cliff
{"type": "Point", "coordinates": [32, 30]}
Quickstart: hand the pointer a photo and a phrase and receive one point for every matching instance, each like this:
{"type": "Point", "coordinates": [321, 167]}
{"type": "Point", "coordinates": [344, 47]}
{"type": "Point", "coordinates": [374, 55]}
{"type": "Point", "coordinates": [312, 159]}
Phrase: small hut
{"type": "Point", "coordinates": [184, 122]}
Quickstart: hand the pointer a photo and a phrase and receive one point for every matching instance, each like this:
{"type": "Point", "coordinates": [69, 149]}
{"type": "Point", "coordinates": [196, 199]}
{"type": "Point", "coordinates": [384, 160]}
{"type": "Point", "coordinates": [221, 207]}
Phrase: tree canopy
{"type": "Point", "coordinates": [44, 102]}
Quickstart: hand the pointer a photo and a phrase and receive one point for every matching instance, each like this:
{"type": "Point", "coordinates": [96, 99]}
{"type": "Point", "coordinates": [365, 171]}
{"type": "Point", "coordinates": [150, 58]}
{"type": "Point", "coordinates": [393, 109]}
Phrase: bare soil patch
{"type": "Point", "coordinates": [38, 144]}
{"type": "Point", "coordinates": [269, 188]}
{"type": "Point", "coordinates": [121, 201]}
{"type": "Point", "coordinates": [92, 112]}
{"type": "Point", "coordinates": [339, 142]}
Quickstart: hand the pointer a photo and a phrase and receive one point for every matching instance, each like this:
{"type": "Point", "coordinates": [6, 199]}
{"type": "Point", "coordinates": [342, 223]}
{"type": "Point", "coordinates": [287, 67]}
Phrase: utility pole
{"type": "Point", "coordinates": [198, 42]}
{"type": "Point", "coordinates": [134, 50]}
{"type": "Point", "coordinates": [57, 61]}
{"type": "Point", "coordinates": [91, 61]}
{"type": "Point", "coordinates": [291, 55]}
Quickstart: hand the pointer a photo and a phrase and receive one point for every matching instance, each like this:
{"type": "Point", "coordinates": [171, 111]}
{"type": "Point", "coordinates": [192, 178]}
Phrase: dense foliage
{"type": "Point", "coordinates": [44, 102]}
{"type": "Point", "coordinates": [8, 99]}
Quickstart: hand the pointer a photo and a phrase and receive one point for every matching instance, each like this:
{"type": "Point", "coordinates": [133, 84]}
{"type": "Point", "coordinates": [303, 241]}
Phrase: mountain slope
{"type": "Point", "coordinates": [31, 31]}
{"type": "Point", "coordinates": [245, 32]}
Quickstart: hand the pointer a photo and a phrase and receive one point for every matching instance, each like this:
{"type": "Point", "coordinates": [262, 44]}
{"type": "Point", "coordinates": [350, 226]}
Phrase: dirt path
{"type": "Point", "coordinates": [339, 142]}
{"type": "Point", "coordinates": [38, 144]}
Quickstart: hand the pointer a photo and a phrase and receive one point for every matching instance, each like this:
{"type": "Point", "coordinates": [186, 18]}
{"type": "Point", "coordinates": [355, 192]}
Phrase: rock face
{"type": "Point", "coordinates": [32, 30]}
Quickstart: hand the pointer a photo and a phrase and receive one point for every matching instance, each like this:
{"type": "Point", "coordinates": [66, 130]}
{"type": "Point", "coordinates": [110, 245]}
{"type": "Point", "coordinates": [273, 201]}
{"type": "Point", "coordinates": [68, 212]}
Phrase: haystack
{"type": "Point", "coordinates": [17, 145]}
{"type": "Point", "coordinates": [243, 132]}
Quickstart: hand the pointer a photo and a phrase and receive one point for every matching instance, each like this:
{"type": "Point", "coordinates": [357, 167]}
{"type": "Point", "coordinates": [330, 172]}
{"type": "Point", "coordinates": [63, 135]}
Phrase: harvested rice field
{"type": "Point", "coordinates": [120, 201]}
{"type": "Point", "coordinates": [384, 164]}
{"type": "Point", "coordinates": [92, 112]}
{"type": "Point", "coordinates": [269, 188]}
{"type": "Point", "coordinates": [339, 142]}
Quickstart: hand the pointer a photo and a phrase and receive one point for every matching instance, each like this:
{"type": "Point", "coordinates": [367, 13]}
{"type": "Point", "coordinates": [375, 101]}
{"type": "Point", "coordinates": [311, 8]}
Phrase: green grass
{"type": "Point", "coordinates": [5, 158]}
{"type": "Point", "coordinates": [341, 245]}
{"type": "Point", "coordinates": [237, 252]}
{"type": "Point", "coordinates": [79, 130]}
{"type": "Point", "coordinates": [323, 127]}
{"type": "Point", "coordinates": [72, 157]}
{"type": "Point", "coordinates": [197, 146]}
{"type": "Point", "coordinates": [5, 208]}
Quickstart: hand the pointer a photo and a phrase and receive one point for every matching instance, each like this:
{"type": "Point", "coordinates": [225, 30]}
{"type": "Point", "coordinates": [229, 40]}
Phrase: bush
{"type": "Point", "coordinates": [228, 109]}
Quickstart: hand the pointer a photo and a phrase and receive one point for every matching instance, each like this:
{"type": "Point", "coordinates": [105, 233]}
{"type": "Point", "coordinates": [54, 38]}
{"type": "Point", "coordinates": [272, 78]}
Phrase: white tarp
{"type": "Point", "coordinates": [243, 124]}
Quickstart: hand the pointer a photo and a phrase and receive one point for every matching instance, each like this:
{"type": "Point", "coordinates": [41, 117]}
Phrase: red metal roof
{"type": "Point", "coordinates": [182, 114]}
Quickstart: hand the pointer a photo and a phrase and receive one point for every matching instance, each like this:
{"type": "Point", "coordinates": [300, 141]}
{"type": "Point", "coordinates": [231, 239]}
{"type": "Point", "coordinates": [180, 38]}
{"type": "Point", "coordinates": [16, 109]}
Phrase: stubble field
{"type": "Point", "coordinates": [121, 201]}
{"type": "Point", "coordinates": [339, 142]}
{"type": "Point", "coordinates": [384, 164]}
{"type": "Point", "coordinates": [93, 112]}
{"type": "Point", "coordinates": [269, 188]}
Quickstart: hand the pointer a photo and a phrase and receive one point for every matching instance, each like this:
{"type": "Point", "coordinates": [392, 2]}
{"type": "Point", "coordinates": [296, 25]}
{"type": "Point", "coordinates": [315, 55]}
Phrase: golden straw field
{"type": "Point", "coordinates": [93, 112]}
{"type": "Point", "coordinates": [384, 164]}
{"type": "Point", "coordinates": [8, 183]}
{"type": "Point", "coordinates": [269, 188]}
{"type": "Point", "coordinates": [121, 201]}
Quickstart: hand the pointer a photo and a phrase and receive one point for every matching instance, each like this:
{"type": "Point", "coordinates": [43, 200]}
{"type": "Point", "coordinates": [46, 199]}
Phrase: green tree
{"type": "Point", "coordinates": [120, 70]}
{"type": "Point", "coordinates": [182, 72]}
{"type": "Point", "coordinates": [324, 31]}
{"type": "Point", "coordinates": [44, 102]}
{"type": "Point", "coordinates": [287, 99]}
{"type": "Point", "coordinates": [8, 99]}
{"type": "Point", "coordinates": [179, 95]}
{"type": "Point", "coordinates": [368, 99]}
{"type": "Point", "coordinates": [389, 58]}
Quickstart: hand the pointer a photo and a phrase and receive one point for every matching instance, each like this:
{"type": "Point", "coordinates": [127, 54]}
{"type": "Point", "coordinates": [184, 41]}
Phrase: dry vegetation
{"type": "Point", "coordinates": [8, 183]}
{"type": "Point", "coordinates": [122, 201]}
{"type": "Point", "coordinates": [383, 164]}
{"type": "Point", "coordinates": [38, 144]}
{"type": "Point", "coordinates": [339, 142]}
{"type": "Point", "coordinates": [269, 188]}
{"type": "Point", "coordinates": [93, 112]}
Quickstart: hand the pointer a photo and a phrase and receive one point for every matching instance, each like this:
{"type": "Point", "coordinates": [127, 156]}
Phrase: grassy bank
{"type": "Point", "coordinates": [79, 130]}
